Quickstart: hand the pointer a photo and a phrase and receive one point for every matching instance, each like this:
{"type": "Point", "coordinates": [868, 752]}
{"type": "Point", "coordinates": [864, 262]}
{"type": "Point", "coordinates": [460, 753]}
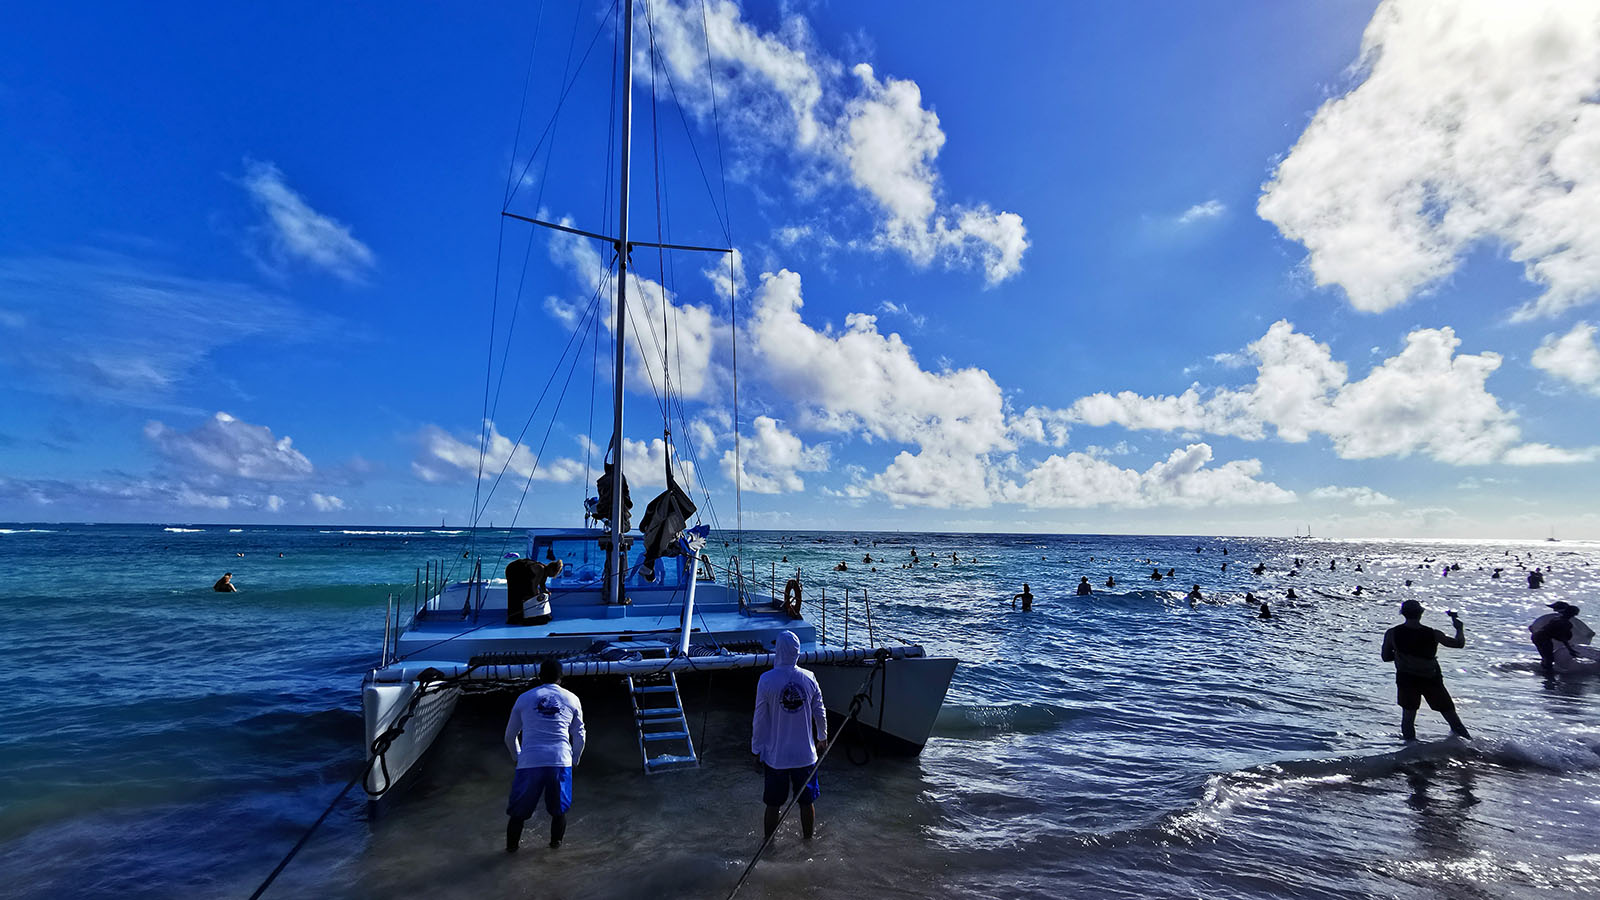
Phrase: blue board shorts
{"type": "Point", "coordinates": [780, 782]}
{"type": "Point", "coordinates": [552, 783]}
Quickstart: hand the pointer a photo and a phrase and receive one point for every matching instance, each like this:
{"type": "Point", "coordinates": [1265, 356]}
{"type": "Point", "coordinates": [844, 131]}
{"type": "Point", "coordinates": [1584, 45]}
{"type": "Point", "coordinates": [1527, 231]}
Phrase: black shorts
{"type": "Point", "coordinates": [1411, 690]}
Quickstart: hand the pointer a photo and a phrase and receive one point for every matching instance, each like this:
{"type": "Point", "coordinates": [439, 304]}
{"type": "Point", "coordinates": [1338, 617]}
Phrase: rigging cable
{"type": "Point", "coordinates": [593, 304]}
{"type": "Point", "coordinates": [733, 275]}
{"type": "Point", "coordinates": [566, 91]}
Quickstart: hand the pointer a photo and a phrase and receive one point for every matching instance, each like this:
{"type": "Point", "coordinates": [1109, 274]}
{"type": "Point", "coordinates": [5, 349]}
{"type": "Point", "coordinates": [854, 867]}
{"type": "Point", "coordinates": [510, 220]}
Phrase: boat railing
{"type": "Point", "coordinates": [855, 609]}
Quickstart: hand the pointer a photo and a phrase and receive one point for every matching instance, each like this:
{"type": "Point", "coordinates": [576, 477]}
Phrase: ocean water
{"type": "Point", "coordinates": [160, 740]}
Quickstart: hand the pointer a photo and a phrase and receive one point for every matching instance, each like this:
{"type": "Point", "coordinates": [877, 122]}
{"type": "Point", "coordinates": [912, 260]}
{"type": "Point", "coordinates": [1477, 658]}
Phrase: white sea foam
{"type": "Point", "coordinates": [1556, 752]}
{"type": "Point", "coordinates": [235, 530]}
{"type": "Point", "coordinates": [183, 530]}
{"type": "Point", "coordinates": [408, 533]}
{"type": "Point", "coordinates": [27, 531]}
{"type": "Point", "coordinates": [442, 531]}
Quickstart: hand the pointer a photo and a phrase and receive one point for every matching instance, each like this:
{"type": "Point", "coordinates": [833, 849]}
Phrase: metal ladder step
{"type": "Point", "coordinates": [664, 739]}
{"type": "Point", "coordinates": [665, 735]}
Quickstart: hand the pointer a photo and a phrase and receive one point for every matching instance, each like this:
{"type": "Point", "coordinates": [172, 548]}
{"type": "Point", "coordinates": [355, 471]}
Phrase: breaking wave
{"type": "Point", "coordinates": [1022, 718]}
{"type": "Point", "coordinates": [1561, 753]}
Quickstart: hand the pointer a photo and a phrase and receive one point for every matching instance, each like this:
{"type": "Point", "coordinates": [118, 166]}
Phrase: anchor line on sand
{"type": "Point", "coordinates": [862, 695]}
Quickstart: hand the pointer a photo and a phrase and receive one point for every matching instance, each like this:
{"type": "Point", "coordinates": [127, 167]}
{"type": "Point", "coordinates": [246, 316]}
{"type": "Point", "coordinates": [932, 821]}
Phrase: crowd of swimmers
{"type": "Point", "coordinates": [1562, 640]}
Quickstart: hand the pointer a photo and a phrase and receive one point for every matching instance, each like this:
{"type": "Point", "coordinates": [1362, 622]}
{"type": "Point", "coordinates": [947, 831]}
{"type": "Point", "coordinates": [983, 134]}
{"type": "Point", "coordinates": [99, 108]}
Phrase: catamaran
{"type": "Point", "coordinates": [639, 607]}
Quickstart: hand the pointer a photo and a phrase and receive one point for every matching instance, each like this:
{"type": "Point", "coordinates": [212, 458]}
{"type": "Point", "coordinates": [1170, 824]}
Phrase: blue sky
{"type": "Point", "coordinates": [1143, 267]}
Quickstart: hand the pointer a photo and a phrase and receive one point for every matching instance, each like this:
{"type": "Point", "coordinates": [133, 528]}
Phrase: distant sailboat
{"type": "Point", "coordinates": [1552, 536]}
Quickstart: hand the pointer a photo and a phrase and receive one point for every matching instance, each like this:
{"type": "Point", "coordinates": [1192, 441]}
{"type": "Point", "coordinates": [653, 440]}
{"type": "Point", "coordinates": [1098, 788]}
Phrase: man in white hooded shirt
{"type": "Point", "coordinates": [789, 733]}
{"type": "Point", "coordinates": [545, 736]}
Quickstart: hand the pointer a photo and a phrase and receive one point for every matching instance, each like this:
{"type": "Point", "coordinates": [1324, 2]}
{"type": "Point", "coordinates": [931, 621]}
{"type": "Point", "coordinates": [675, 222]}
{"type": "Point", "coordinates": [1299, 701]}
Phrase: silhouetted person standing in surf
{"type": "Point", "coordinates": [1414, 648]}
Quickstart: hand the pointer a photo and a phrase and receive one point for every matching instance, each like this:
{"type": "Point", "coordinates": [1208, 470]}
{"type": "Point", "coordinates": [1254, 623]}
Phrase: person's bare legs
{"type": "Point", "coordinates": [808, 819]}
{"type": "Point", "coordinates": [771, 819]}
{"type": "Point", "coordinates": [1408, 723]}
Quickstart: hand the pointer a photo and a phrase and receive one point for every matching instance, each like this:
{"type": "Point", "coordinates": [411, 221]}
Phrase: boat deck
{"type": "Point", "coordinates": [447, 634]}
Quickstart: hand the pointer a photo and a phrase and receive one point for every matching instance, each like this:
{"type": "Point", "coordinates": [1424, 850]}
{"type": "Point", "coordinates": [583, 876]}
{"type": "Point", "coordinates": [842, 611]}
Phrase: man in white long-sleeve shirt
{"type": "Point", "coordinates": [545, 737]}
{"type": "Point", "coordinates": [789, 733]}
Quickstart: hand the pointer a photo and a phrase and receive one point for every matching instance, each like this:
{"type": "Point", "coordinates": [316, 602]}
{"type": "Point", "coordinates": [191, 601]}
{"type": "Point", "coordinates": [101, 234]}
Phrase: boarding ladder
{"type": "Point", "coordinates": [664, 741]}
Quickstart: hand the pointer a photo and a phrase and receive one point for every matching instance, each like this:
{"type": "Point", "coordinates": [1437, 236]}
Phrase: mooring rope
{"type": "Point", "coordinates": [862, 695]}
{"type": "Point", "coordinates": [429, 678]}
{"type": "Point", "coordinates": [284, 863]}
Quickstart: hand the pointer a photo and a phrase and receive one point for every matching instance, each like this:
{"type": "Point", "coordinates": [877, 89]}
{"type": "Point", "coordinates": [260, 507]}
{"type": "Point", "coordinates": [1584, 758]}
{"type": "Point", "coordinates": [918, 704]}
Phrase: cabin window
{"type": "Point", "coordinates": [583, 563]}
{"type": "Point", "coordinates": [669, 573]}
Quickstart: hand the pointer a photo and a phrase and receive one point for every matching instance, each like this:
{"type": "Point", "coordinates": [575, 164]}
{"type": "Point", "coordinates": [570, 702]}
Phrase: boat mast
{"type": "Point", "coordinates": [617, 483]}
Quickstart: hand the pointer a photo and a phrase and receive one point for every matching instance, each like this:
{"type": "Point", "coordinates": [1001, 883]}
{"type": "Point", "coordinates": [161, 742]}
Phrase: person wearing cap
{"type": "Point", "coordinates": [1562, 638]}
{"type": "Point", "coordinates": [788, 734]}
{"type": "Point", "coordinates": [1540, 632]}
{"type": "Point", "coordinates": [545, 736]}
{"type": "Point", "coordinates": [1414, 648]}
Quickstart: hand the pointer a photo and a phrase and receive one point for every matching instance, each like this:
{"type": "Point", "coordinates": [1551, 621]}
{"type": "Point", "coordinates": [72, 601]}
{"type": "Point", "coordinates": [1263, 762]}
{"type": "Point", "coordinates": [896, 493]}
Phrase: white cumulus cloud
{"type": "Point", "coordinates": [326, 503]}
{"type": "Point", "coordinates": [1200, 212]}
{"type": "Point", "coordinates": [1359, 496]}
{"type": "Point", "coordinates": [442, 456]}
{"type": "Point", "coordinates": [1572, 357]}
{"type": "Point", "coordinates": [295, 231]}
{"type": "Point", "coordinates": [225, 445]}
{"type": "Point", "coordinates": [1184, 479]}
{"type": "Point", "coordinates": [771, 459]}
{"type": "Point", "coordinates": [1474, 122]}
{"type": "Point", "coordinates": [875, 135]}
{"type": "Point", "coordinates": [1427, 399]}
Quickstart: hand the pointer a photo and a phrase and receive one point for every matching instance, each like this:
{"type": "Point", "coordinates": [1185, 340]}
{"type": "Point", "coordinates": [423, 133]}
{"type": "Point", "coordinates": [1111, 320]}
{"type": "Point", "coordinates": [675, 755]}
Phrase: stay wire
{"type": "Point", "coordinates": [733, 277]}
{"type": "Point", "coordinates": [593, 304]}
{"type": "Point", "coordinates": [571, 370]}
{"type": "Point", "coordinates": [694, 149]}
{"type": "Point", "coordinates": [522, 107]}
{"type": "Point", "coordinates": [661, 401]}
{"type": "Point", "coordinates": [561, 102]}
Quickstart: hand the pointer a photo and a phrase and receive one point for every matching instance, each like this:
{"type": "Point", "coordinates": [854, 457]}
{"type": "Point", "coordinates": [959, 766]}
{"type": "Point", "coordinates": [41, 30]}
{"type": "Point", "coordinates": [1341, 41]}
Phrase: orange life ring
{"type": "Point", "coordinates": [791, 598]}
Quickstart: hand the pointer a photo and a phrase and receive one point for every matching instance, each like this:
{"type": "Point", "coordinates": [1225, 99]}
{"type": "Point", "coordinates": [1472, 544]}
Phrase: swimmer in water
{"type": "Point", "coordinates": [1084, 589]}
{"type": "Point", "coordinates": [224, 584]}
{"type": "Point", "coordinates": [1265, 613]}
{"type": "Point", "coordinates": [1111, 581]}
{"type": "Point", "coordinates": [1250, 598]}
{"type": "Point", "coordinates": [1026, 597]}
{"type": "Point", "coordinates": [1155, 574]}
{"type": "Point", "coordinates": [1290, 595]}
{"type": "Point", "coordinates": [1194, 595]}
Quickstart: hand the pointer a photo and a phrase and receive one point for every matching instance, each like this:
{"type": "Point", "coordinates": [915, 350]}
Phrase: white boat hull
{"type": "Point", "coordinates": [902, 702]}
{"type": "Point", "coordinates": [382, 706]}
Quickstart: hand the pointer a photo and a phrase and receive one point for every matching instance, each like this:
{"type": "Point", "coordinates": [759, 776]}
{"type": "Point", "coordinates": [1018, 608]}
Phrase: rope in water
{"type": "Point", "coordinates": [862, 695]}
{"type": "Point", "coordinates": [284, 863]}
{"type": "Point", "coordinates": [428, 683]}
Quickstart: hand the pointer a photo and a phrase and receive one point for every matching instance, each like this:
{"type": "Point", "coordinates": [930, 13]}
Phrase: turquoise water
{"type": "Point", "coordinates": [160, 740]}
